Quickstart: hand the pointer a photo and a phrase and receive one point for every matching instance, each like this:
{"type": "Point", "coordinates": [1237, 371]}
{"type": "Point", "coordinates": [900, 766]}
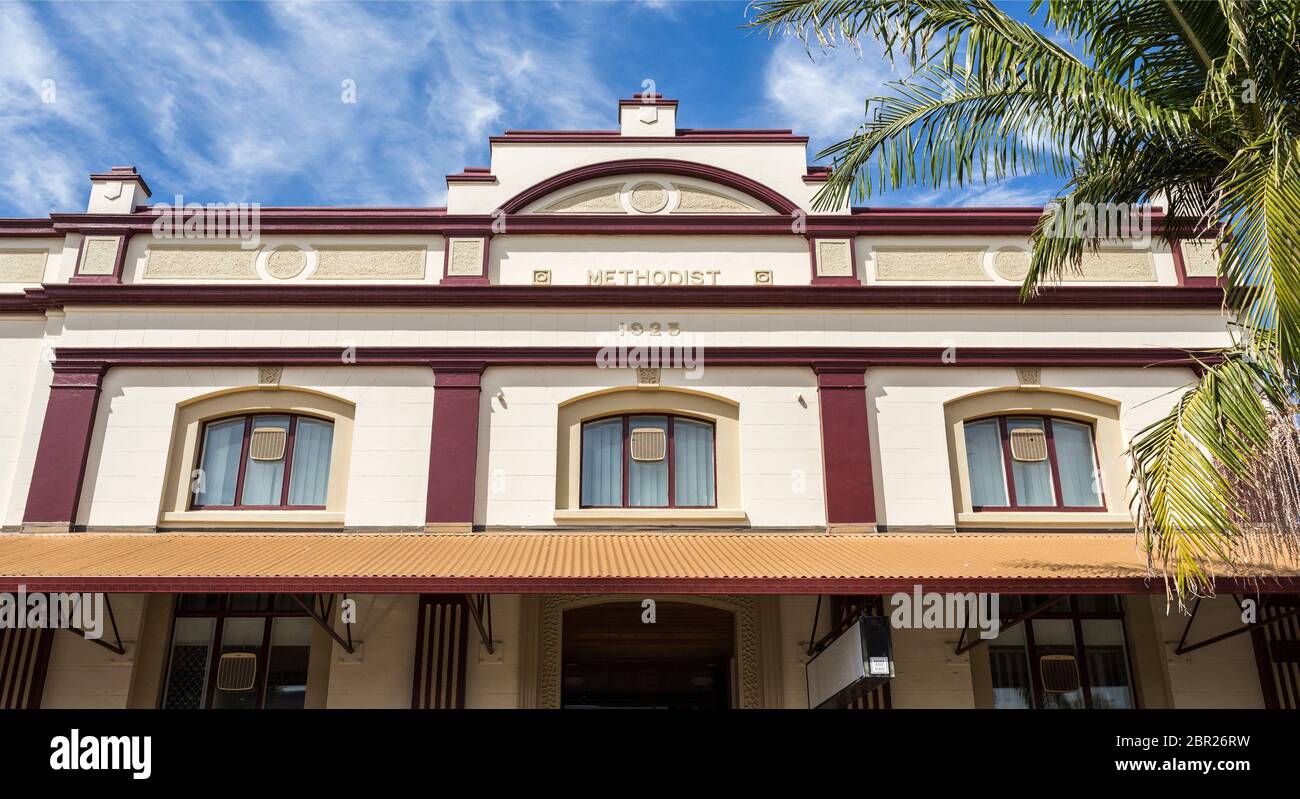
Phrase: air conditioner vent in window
{"type": "Point", "coordinates": [1028, 445]}
{"type": "Point", "coordinates": [237, 671]}
{"type": "Point", "coordinates": [1060, 673]}
{"type": "Point", "coordinates": [648, 444]}
{"type": "Point", "coordinates": [267, 444]}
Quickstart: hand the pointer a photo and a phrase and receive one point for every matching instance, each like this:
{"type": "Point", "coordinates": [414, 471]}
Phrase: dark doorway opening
{"type": "Point", "coordinates": [611, 659]}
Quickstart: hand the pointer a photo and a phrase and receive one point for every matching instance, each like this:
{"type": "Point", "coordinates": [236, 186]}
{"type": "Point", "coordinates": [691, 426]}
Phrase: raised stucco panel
{"type": "Point", "coordinates": [834, 258]}
{"type": "Point", "coordinates": [368, 263]}
{"type": "Point", "coordinates": [99, 255]}
{"type": "Point", "coordinates": [1116, 265]}
{"type": "Point", "coordinates": [1113, 266]}
{"type": "Point", "coordinates": [1200, 258]}
{"type": "Point", "coordinates": [696, 200]}
{"type": "Point", "coordinates": [466, 258]}
{"type": "Point", "coordinates": [232, 263]}
{"type": "Point", "coordinates": [600, 200]}
{"type": "Point", "coordinates": [939, 264]}
{"type": "Point", "coordinates": [23, 266]}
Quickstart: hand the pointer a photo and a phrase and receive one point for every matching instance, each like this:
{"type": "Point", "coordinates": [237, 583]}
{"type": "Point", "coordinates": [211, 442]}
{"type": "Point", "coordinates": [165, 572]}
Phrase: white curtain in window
{"type": "Point", "coordinates": [1033, 478]}
{"type": "Point", "coordinates": [222, 444]}
{"type": "Point", "coordinates": [602, 463]}
{"type": "Point", "coordinates": [988, 481]}
{"type": "Point", "coordinates": [647, 481]}
{"type": "Point", "coordinates": [264, 479]}
{"type": "Point", "coordinates": [693, 463]}
{"type": "Point", "coordinates": [310, 474]}
{"type": "Point", "coordinates": [1076, 464]}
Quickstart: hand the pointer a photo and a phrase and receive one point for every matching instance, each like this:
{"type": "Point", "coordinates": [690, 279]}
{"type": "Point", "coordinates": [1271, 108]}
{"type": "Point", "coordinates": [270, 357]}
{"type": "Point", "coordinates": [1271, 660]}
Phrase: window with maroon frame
{"type": "Point", "coordinates": [1032, 463]}
{"type": "Point", "coordinates": [648, 461]}
{"type": "Point", "coordinates": [1086, 632]}
{"type": "Point", "coordinates": [239, 651]}
{"type": "Point", "coordinates": [264, 461]}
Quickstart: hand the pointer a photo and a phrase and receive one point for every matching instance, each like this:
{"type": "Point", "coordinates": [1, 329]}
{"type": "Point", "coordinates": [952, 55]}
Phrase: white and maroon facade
{"type": "Point", "coordinates": [415, 412]}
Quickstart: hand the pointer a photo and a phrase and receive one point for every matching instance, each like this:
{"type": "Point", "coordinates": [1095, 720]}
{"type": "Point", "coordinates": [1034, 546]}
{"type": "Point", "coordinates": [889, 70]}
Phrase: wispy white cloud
{"type": "Point", "coordinates": [822, 93]}
{"type": "Point", "coordinates": [231, 102]}
{"type": "Point", "coordinates": [41, 109]}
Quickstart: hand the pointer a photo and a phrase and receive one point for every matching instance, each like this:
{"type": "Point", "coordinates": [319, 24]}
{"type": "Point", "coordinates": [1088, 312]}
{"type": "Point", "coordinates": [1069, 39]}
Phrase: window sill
{"type": "Point", "coordinates": [1040, 520]}
{"type": "Point", "coordinates": [235, 519]}
{"type": "Point", "coordinates": [657, 516]}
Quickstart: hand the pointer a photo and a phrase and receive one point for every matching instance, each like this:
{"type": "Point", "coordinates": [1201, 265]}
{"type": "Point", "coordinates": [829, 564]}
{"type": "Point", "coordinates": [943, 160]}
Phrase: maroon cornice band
{"type": "Point", "coordinates": [57, 295]}
{"type": "Point", "coordinates": [825, 360]}
{"type": "Point", "coordinates": [862, 221]}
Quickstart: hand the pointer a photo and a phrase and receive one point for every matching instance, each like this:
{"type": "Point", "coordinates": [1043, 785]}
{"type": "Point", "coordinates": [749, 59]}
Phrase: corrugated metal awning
{"type": "Point", "coordinates": [661, 562]}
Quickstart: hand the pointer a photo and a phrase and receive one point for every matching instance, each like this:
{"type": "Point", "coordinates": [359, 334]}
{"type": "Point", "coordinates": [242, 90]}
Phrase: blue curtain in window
{"type": "Point", "coordinates": [647, 481]}
{"type": "Point", "coordinates": [222, 444]}
{"type": "Point", "coordinates": [310, 477]}
{"type": "Point", "coordinates": [988, 481]}
{"type": "Point", "coordinates": [1076, 464]}
{"type": "Point", "coordinates": [693, 463]}
{"type": "Point", "coordinates": [1033, 478]}
{"type": "Point", "coordinates": [602, 463]}
{"type": "Point", "coordinates": [264, 479]}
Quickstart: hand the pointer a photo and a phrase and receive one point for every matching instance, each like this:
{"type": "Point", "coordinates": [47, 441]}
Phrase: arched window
{"type": "Point", "coordinates": [1030, 462]}
{"type": "Point", "coordinates": [648, 461]}
{"type": "Point", "coordinates": [264, 461]}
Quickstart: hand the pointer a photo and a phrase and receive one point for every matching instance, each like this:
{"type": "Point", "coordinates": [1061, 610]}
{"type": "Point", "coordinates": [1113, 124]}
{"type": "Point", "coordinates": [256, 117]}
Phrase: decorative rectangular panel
{"type": "Point", "coordinates": [1199, 258]}
{"type": "Point", "coordinates": [834, 258]}
{"type": "Point", "coordinates": [1028, 445]}
{"type": "Point", "coordinates": [22, 266]}
{"type": "Point", "coordinates": [369, 263]}
{"type": "Point", "coordinates": [99, 255]}
{"type": "Point", "coordinates": [465, 258]}
{"type": "Point", "coordinates": [953, 264]}
{"type": "Point", "coordinates": [215, 263]}
{"type": "Point", "coordinates": [442, 644]}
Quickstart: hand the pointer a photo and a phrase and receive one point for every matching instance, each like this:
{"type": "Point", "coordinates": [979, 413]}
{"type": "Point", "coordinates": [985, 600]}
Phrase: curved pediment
{"type": "Point", "coordinates": [649, 187]}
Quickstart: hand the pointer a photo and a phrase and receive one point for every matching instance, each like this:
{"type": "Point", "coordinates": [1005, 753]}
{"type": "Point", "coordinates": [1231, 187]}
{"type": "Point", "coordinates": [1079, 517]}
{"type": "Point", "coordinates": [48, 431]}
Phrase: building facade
{"type": "Point", "coordinates": [628, 423]}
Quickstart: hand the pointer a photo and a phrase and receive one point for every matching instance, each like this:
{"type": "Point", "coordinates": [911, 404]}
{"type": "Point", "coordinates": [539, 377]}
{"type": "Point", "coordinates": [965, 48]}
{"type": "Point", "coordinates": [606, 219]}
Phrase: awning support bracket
{"type": "Point", "coordinates": [812, 636]}
{"type": "Point", "coordinates": [118, 648]}
{"type": "Point", "coordinates": [1185, 648]}
{"type": "Point", "coordinates": [963, 647]}
{"type": "Point", "coordinates": [480, 606]}
{"type": "Point", "coordinates": [321, 617]}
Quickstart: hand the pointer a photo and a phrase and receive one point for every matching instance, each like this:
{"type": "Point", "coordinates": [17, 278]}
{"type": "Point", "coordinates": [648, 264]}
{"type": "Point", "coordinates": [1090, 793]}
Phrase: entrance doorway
{"type": "Point", "coordinates": [682, 661]}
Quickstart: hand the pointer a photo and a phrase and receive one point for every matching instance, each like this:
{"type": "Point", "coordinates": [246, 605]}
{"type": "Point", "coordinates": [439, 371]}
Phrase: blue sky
{"type": "Point", "coordinates": [242, 101]}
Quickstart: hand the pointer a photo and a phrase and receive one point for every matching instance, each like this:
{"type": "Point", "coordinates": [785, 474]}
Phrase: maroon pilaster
{"type": "Point", "coordinates": [846, 448]}
{"type": "Point", "coordinates": [453, 452]}
{"type": "Point", "coordinates": [64, 448]}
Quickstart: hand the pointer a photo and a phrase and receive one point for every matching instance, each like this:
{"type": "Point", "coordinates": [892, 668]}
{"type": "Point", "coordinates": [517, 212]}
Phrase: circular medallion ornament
{"type": "Point", "coordinates": [648, 198]}
{"type": "Point", "coordinates": [286, 262]}
{"type": "Point", "coordinates": [1011, 264]}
